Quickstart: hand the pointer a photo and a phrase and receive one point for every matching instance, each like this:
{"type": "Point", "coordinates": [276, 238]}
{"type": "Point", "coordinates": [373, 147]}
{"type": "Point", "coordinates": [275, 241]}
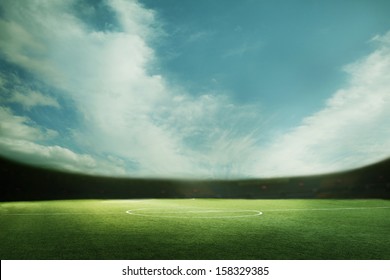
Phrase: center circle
{"type": "Point", "coordinates": [193, 213]}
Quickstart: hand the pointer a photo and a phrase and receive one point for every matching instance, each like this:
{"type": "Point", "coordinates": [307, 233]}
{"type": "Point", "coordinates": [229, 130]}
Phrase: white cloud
{"type": "Point", "coordinates": [128, 112]}
{"type": "Point", "coordinates": [19, 40]}
{"type": "Point", "coordinates": [32, 99]}
{"type": "Point", "coordinates": [19, 138]}
{"type": "Point", "coordinates": [350, 131]}
{"type": "Point", "coordinates": [15, 90]}
{"type": "Point", "coordinates": [59, 158]}
{"type": "Point", "coordinates": [20, 127]}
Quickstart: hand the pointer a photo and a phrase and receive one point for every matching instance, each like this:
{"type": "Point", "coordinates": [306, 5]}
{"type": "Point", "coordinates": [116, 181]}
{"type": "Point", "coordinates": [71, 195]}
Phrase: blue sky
{"type": "Point", "coordinates": [198, 89]}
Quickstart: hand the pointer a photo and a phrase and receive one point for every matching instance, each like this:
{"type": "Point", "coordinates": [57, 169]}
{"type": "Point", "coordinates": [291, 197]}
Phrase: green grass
{"type": "Point", "coordinates": [195, 229]}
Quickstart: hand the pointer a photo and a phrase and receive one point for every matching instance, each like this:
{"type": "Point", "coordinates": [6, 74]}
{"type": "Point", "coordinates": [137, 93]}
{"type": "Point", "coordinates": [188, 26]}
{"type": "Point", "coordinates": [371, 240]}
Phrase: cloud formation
{"type": "Point", "coordinates": [15, 90]}
{"type": "Point", "coordinates": [132, 121]}
{"type": "Point", "coordinates": [20, 127]}
{"type": "Point", "coordinates": [20, 138]}
{"type": "Point", "coordinates": [33, 98]}
{"type": "Point", "coordinates": [127, 111]}
{"type": "Point", "coordinates": [350, 131]}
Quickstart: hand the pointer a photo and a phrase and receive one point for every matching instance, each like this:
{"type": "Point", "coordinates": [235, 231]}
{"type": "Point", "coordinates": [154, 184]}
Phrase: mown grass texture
{"type": "Point", "coordinates": [195, 229]}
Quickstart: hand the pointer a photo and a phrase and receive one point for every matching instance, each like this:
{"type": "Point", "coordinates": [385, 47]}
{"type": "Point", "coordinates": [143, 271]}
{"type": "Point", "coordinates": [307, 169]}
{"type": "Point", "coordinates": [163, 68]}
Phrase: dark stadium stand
{"type": "Point", "coordinates": [24, 182]}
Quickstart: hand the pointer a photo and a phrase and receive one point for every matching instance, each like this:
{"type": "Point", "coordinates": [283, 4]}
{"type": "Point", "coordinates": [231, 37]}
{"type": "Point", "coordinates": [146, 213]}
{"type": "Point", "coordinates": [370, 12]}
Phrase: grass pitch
{"type": "Point", "coordinates": [195, 229]}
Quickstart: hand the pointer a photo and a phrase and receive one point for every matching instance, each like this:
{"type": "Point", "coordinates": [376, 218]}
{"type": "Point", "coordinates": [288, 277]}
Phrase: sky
{"type": "Point", "coordinates": [195, 89]}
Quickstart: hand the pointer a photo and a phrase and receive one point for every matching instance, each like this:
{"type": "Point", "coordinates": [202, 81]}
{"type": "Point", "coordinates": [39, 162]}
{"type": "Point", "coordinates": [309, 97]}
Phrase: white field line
{"type": "Point", "coordinates": [327, 209]}
{"type": "Point", "coordinates": [55, 214]}
{"type": "Point", "coordinates": [221, 211]}
{"type": "Point", "coordinates": [150, 212]}
{"type": "Point", "coordinates": [156, 213]}
{"type": "Point", "coordinates": [126, 201]}
{"type": "Point", "coordinates": [181, 215]}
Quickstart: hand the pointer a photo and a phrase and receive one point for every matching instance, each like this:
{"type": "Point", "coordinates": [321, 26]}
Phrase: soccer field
{"type": "Point", "coordinates": [195, 229]}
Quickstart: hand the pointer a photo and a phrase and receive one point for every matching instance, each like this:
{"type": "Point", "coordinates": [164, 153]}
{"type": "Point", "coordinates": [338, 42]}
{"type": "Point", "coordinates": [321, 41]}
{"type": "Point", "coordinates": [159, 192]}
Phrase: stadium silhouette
{"type": "Point", "coordinates": [24, 182]}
